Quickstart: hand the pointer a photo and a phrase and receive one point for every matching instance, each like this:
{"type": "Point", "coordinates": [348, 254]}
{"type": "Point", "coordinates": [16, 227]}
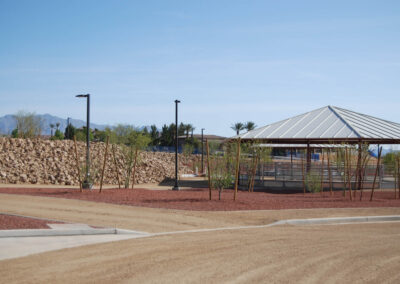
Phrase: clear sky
{"type": "Point", "coordinates": [227, 61]}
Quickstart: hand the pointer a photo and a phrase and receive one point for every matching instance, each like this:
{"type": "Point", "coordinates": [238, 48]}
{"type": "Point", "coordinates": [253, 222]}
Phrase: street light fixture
{"type": "Point", "coordinates": [176, 186]}
{"type": "Point", "coordinates": [202, 151]}
{"type": "Point", "coordinates": [86, 183]}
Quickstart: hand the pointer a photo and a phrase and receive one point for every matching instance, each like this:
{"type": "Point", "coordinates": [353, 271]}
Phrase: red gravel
{"type": "Point", "coordinates": [197, 199]}
{"type": "Point", "coordinates": [10, 222]}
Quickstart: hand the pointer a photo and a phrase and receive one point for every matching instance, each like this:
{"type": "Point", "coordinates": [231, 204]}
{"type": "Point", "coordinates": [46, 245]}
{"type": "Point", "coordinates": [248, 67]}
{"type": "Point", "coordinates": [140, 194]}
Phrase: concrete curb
{"type": "Point", "coordinates": [338, 220]}
{"type": "Point", "coordinates": [51, 232]}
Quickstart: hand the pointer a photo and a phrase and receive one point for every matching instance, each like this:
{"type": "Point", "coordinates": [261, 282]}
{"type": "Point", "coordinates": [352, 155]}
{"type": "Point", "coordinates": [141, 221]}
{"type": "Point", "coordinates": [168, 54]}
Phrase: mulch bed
{"type": "Point", "coordinates": [10, 222]}
{"type": "Point", "coordinates": [197, 199]}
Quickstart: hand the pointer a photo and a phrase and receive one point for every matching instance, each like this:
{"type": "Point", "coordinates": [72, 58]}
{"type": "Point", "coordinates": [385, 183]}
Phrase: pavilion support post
{"type": "Point", "coordinates": [376, 172]}
{"type": "Point", "coordinates": [308, 157]}
{"type": "Point", "coordinates": [291, 163]}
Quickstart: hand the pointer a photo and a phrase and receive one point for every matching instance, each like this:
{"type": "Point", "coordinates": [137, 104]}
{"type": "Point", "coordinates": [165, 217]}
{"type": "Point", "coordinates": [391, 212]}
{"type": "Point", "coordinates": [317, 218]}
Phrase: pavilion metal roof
{"type": "Point", "coordinates": [329, 124]}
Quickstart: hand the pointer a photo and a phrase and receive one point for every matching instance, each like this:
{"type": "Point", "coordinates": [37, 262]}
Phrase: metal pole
{"type": "Point", "coordinates": [87, 183]}
{"type": "Point", "coordinates": [67, 132]}
{"type": "Point", "coordinates": [176, 187]}
{"type": "Point", "coordinates": [202, 151]}
{"type": "Point", "coordinates": [88, 141]}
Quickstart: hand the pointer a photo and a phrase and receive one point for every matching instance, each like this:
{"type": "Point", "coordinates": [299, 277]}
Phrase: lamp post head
{"type": "Point", "coordinates": [82, 96]}
{"type": "Point", "coordinates": [177, 101]}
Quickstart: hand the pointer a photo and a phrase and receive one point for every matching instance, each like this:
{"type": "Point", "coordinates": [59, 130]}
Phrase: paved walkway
{"type": "Point", "coordinates": [22, 246]}
{"type": "Point", "coordinates": [14, 247]}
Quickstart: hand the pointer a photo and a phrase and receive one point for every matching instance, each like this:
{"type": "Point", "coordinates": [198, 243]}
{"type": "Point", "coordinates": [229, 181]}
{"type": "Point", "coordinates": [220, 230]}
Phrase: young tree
{"type": "Point", "coordinates": [51, 129]}
{"type": "Point", "coordinates": [221, 171]}
{"type": "Point", "coordinates": [29, 125]}
{"type": "Point", "coordinates": [154, 135]}
{"type": "Point", "coordinates": [250, 126]}
{"type": "Point", "coordinates": [238, 126]}
{"type": "Point", "coordinates": [57, 135]}
{"type": "Point", "coordinates": [69, 132]}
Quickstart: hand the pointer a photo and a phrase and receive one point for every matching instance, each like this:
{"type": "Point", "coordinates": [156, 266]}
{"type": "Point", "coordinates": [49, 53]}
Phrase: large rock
{"type": "Point", "coordinates": [54, 162]}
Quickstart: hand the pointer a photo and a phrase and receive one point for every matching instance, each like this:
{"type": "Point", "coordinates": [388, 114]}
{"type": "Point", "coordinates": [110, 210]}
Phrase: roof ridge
{"type": "Point", "coordinates": [332, 108]}
{"type": "Point", "coordinates": [370, 116]}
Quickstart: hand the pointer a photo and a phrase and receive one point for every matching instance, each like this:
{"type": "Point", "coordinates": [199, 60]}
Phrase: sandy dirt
{"type": "Point", "coordinates": [310, 254]}
{"type": "Point", "coordinates": [161, 220]}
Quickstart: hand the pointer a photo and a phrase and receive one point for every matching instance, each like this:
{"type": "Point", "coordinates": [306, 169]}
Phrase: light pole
{"type": "Point", "coordinates": [176, 187]}
{"type": "Point", "coordinates": [202, 151]}
{"type": "Point", "coordinates": [67, 132]}
{"type": "Point", "coordinates": [86, 183]}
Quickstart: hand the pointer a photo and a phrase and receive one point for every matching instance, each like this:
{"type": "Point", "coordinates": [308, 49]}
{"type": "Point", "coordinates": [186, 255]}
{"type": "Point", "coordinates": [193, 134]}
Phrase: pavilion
{"type": "Point", "coordinates": [328, 125]}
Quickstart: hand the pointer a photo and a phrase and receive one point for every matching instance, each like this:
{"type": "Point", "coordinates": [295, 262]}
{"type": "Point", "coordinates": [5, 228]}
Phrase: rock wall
{"type": "Point", "coordinates": [38, 161]}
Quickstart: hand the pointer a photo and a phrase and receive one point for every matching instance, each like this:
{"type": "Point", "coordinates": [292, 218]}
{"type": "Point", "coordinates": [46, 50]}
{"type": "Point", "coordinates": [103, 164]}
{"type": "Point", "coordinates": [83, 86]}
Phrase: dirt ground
{"type": "Point", "coordinates": [314, 254]}
{"type": "Point", "coordinates": [10, 222]}
{"type": "Point", "coordinates": [331, 253]}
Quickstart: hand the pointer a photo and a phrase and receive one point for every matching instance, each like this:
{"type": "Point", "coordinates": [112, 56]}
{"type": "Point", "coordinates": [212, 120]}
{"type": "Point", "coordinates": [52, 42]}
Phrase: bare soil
{"type": "Point", "coordinates": [355, 253]}
{"type": "Point", "coordinates": [10, 222]}
{"type": "Point", "coordinates": [358, 253]}
{"type": "Point", "coordinates": [198, 199]}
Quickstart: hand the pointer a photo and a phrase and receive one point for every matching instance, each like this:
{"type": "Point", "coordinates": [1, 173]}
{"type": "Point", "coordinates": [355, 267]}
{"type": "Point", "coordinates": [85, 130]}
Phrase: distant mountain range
{"type": "Point", "coordinates": [8, 124]}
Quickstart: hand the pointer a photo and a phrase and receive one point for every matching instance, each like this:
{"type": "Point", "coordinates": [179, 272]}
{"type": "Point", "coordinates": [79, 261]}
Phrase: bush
{"type": "Point", "coordinates": [57, 135]}
{"type": "Point", "coordinates": [313, 182]}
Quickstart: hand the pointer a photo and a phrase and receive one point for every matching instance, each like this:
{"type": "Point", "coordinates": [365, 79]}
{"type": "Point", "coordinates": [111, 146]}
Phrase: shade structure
{"type": "Point", "coordinates": [328, 125]}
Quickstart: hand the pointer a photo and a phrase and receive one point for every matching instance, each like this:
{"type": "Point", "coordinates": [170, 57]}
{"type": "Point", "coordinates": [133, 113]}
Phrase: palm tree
{"type": "Point", "coordinates": [238, 126]}
{"type": "Point", "coordinates": [51, 128]}
{"type": "Point", "coordinates": [250, 126]}
{"type": "Point", "coordinates": [188, 128]}
{"type": "Point", "coordinates": [57, 125]}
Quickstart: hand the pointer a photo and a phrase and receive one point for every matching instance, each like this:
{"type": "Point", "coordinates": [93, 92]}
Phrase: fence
{"type": "Point", "coordinates": [285, 175]}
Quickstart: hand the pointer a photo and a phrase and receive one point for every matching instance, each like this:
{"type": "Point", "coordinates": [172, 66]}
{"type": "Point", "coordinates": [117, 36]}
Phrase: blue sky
{"type": "Point", "coordinates": [227, 61]}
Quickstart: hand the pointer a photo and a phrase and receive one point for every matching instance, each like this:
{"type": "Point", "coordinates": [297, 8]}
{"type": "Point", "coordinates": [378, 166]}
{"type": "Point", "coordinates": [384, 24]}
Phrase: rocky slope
{"type": "Point", "coordinates": [38, 161]}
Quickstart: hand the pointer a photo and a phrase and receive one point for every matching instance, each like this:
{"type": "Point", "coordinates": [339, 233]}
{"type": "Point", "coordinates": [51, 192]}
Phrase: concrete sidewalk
{"type": "Point", "coordinates": [15, 247]}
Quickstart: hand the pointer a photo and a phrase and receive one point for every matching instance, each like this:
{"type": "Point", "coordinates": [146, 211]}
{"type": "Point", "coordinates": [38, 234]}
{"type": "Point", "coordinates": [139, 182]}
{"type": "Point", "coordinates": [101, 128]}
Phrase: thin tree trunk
{"type": "Point", "coordinates": [255, 173]}
{"type": "Point", "coordinates": [363, 170]}
{"type": "Point", "coordinates": [237, 169]}
{"type": "Point", "coordinates": [376, 173]}
{"type": "Point", "coordinates": [302, 173]}
{"type": "Point", "coordinates": [322, 172]}
{"type": "Point", "coordinates": [350, 175]}
{"type": "Point", "coordinates": [358, 171]}
{"type": "Point", "coordinates": [208, 167]}
{"type": "Point", "coordinates": [116, 165]}
{"type": "Point", "coordinates": [398, 176]}
{"type": "Point", "coordinates": [134, 168]}
{"type": "Point", "coordinates": [345, 172]}
{"type": "Point", "coordinates": [252, 174]}
{"type": "Point", "coordinates": [104, 165]}
{"type": "Point", "coordinates": [77, 165]}
{"type": "Point", "coordinates": [329, 172]}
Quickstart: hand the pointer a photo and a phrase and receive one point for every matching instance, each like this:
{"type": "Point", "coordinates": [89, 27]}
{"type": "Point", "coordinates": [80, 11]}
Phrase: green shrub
{"type": "Point", "coordinates": [313, 182]}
